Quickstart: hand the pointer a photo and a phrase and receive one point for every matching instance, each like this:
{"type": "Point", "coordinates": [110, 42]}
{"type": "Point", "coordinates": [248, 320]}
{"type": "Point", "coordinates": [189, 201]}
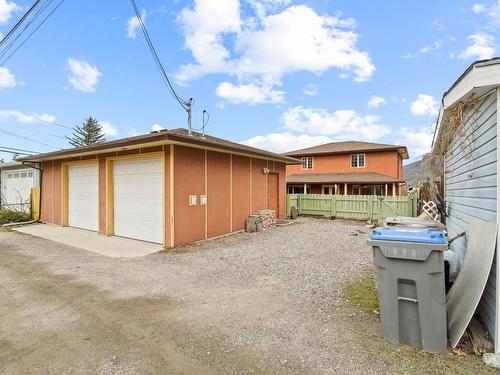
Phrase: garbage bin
{"type": "Point", "coordinates": [411, 289]}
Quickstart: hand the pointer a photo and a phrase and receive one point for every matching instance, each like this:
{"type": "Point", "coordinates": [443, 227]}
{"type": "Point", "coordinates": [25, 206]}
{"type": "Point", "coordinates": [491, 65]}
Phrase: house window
{"type": "Point", "coordinates": [367, 190]}
{"type": "Point", "coordinates": [307, 162]}
{"type": "Point", "coordinates": [357, 160]}
{"type": "Point", "coordinates": [298, 189]}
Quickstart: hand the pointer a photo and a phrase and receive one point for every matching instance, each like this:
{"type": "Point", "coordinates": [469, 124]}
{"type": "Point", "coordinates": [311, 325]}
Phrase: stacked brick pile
{"type": "Point", "coordinates": [268, 218]}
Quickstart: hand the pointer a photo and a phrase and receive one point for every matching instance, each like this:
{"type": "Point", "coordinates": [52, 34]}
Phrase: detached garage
{"type": "Point", "coordinates": [168, 187]}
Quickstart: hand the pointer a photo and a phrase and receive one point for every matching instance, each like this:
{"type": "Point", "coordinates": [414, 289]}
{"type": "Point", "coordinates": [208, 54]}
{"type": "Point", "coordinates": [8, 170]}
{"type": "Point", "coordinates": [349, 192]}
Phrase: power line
{"type": "Point", "coordinates": [185, 104]}
{"type": "Point", "coordinates": [29, 36]}
{"type": "Point", "coordinates": [28, 139]}
{"type": "Point", "coordinates": [19, 149]}
{"type": "Point", "coordinates": [56, 124]}
{"type": "Point", "coordinates": [15, 152]}
{"type": "Point", "coordinates": [37, 14]}
{"type": "Point", "coordinates": [41, 132]}
{"type": "Point", "coordinates": [21, 20]}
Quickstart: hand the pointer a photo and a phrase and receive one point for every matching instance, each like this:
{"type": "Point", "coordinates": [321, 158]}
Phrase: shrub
{"type": "Point", "coordinates": [13, 216]}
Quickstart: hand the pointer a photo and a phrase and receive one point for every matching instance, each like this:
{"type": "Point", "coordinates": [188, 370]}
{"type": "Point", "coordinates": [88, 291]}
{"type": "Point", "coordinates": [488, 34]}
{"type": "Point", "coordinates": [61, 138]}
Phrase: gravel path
{"type": "Point", "coordinates": [247, 303]}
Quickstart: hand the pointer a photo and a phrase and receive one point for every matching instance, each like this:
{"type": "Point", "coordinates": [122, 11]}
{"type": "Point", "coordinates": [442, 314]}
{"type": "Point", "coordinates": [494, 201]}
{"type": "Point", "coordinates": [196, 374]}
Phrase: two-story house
{"type": "Point", "coordinates": [348, 168]}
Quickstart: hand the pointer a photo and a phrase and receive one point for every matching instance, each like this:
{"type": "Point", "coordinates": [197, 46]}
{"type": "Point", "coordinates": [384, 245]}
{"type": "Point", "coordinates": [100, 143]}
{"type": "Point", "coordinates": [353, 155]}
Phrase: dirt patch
{"type": "Point", "coordinates": [57, 324]}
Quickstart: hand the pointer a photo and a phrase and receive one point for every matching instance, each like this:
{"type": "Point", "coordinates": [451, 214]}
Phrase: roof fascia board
{"type": "Point", "coordinates": [160, 143]}
{"type": "Point", "coordinates": [481, 75]}
{"type": "Point", "coordinates": [401, 150]}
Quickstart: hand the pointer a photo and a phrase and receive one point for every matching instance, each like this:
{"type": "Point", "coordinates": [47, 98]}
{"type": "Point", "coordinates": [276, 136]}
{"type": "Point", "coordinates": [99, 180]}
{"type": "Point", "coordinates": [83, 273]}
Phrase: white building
{"type": "Point", "coordinates": [16, 181]}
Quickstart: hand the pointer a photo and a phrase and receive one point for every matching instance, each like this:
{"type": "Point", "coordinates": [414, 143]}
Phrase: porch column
{"type": "Point", "coordinates": [336, 189]}
{"type": "Point", "coordinates": [345, 188]}
{"type": "Point", "coordinates": [305, 188]}
{"type": "Point", "coordinates": [386, 189]}
{"type": "Point", "coordinates": [393, 189]}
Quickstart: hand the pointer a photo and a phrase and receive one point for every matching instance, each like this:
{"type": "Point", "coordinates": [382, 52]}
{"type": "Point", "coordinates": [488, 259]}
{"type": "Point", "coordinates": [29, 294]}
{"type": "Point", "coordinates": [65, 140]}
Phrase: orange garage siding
{"type": "Point", "coordinates": [241, 191]}
{"type": "Point", "coordinates": [218, 193]}
{"type": "Point", "coordinates": [259, 188]}
{"type": "Point", "coordinates": [189, 179]}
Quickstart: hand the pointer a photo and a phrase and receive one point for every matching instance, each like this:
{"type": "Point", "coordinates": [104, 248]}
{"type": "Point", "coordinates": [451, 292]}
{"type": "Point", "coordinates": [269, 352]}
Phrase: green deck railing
{"type": "Point", "coordinates": [360, 207]}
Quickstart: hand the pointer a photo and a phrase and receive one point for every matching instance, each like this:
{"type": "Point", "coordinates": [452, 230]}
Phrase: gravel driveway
{"type": "Point", "coordinates": [247, 303]}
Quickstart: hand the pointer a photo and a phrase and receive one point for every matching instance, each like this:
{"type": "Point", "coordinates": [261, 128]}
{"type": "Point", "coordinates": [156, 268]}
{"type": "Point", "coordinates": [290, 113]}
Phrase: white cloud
{"type": "Point", "coordinates": [263, 7]}
{"type": "Point", "coordinates": [482, 47]}
{"type": "Point", "coordinates": [478, 8]}
{"type": "Point", "coordinates": [424, 105]}
{"type": "Point", "coordinates": [204, 27]}
{"type": "Point", "coordinates": [310, 90]}
{"type": "Point", "coordinates": [282, 142]}
{"type": "Point", "coordinates": [492, 13]}
{"type": "Point", "coordinates": [266, 48]}
{"type": "Point", "coordinates": [435, 46]}
{"type": "Point", "coordinates": [7, 79]}
{"type": "Point", "coordinates": [249, 93]}
{"type": "Point", "coordinates": [417, 140]}
{"type": "Point", "coordinates": [108, 129]}
{"type": "Point", "coordinates": [84, 77]}
{"type": "Point", "coordinates": [157, 127]}
{"type": "Point", "coordinates": [343, 124]}
{"type": "Point", "coordinates": [133, 24]}
{"type": "Point", "coordinates": [7, 8]}
{"type": "Point", "coordinates": [375, 101]}
{"type": "Point", "coordinates": [25, 118]}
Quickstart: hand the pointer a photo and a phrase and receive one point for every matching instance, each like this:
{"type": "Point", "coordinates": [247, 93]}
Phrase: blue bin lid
{"type": "Point", "coordinates": [422, 235]}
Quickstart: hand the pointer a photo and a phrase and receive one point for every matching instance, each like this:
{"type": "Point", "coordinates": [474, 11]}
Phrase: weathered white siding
{"type": "Point", "coordinates": [470, 186]}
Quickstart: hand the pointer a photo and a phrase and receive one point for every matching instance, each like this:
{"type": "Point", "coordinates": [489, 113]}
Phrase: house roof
{"type": "Point", "coordinates": [333, 178]}
{"type": "Point", "coordinates": [11, 164]}
{"type": "Point", "coordinates": [347, 147]}
{"type": "Point", "coordinates": [174, 136]}
{"type": "Point", "coordinates": [479, 78]}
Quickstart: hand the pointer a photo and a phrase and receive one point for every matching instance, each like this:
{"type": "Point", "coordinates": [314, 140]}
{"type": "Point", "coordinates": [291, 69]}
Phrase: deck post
{"type": "Point", "coordinates": [345, 188]}
{"type": "Point", "coordinates": [305, 188]}
{"type": "Point", "coordinates": [393, 189]}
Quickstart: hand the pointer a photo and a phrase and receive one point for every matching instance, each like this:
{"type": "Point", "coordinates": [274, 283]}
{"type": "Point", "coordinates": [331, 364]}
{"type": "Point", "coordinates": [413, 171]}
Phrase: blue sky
{"type": "Point", "coordinates": [275, 74]}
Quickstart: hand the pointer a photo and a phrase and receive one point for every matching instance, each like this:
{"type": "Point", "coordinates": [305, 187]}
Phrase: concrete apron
{"type": "Point", "coordinates": [91, 241]}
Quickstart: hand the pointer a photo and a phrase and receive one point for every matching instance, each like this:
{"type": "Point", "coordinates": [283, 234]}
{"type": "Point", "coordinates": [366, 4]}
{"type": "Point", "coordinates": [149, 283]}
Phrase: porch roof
{"type": "Point", "coordinates": [333, 178]}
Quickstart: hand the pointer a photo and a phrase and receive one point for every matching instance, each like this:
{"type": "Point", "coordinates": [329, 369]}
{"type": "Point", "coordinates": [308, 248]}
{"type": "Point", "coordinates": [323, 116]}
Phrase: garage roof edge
{"type": "Point", "coordinates": [175, 135]}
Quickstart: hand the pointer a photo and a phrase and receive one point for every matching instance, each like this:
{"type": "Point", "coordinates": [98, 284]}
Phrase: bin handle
{"type": "Point", "coordinates": [408, 299]}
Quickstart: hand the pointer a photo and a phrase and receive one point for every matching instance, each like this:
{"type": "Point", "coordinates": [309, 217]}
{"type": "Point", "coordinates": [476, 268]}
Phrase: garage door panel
{"type": "Point", "coordinates": [138, 196]}
{"type": "Point", "coordinates": [83, 191]}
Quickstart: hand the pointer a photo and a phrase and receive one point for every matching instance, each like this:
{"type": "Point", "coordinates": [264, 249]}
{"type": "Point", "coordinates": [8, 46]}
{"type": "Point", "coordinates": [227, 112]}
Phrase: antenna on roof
{"type": "Point", "coordinates": [189, 110]}
{"type": "Point", "coordinates": [204, 123]}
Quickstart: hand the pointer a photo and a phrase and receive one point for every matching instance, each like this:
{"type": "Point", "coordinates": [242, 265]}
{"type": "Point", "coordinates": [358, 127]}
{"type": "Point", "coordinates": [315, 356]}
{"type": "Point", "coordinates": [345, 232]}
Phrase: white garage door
{"type": "Point", "coordinates": [138, 199]}
{"type": "Point", "coordinates": [83, 192]}
{"type": "Point", "coordinates": [16, 188]}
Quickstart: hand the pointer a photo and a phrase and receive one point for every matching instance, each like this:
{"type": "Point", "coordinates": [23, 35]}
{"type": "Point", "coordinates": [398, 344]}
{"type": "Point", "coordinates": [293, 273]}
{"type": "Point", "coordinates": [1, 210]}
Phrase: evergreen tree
{"type": "Point", "coordinates": [90, 132]}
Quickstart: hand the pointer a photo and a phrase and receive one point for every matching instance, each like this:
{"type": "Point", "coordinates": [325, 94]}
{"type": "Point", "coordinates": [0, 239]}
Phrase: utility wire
{"type": "Point", "coordinates": [56, 124]}
{"type": "Point", "coordinates": [18, 149]}
{"type": "Point", "coordinates": [29, 36]}
{"type": "Point", "coordinates": [15, 152]}
{"type": "Point", "coordinates": [28, 139]}
{"type": "Point", "coordinates": [185, 104]}
{"type": "Point", "coordinates": [33, 19]}
{"type": "Point", "coordinates": [42, 132]}
{"type": "Point", "coordinates": [21, 20]}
